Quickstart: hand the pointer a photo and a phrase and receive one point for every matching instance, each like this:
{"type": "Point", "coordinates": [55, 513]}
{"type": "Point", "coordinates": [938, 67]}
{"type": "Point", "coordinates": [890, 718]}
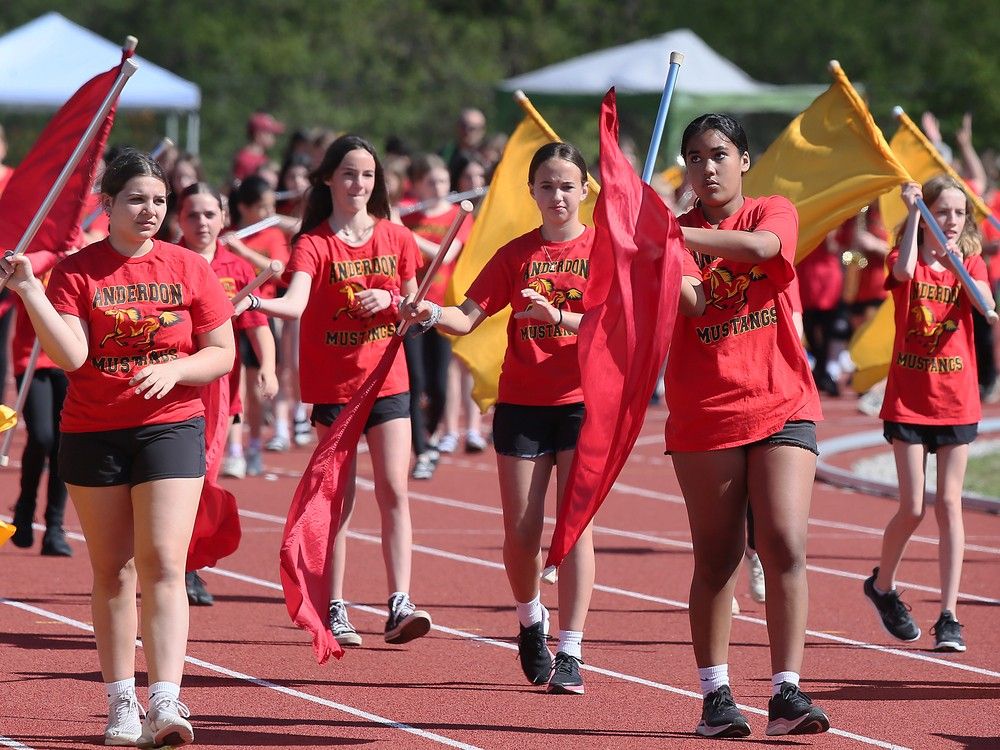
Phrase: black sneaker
{"type": "Point", "coordinates": [894, 613]}
{"type": "Point", "coordinates": [406, 622]}
{"type": "Point", "coordinates": [947, 632]}
{"type": "Point", "coordinates": [24, 534]}
{"type": "Point", "coordinates": [341, 627]}
{"type": "Point", "coordinates": [536, 659]}
{"type": "Point", "coordinates": [197, 594]}
{"type": "Point", "coordinates": [565, 679]}
{"type": "Point", "coordinates": [720, 717]}
{"type": "Point", "coordinates": [791, 712]}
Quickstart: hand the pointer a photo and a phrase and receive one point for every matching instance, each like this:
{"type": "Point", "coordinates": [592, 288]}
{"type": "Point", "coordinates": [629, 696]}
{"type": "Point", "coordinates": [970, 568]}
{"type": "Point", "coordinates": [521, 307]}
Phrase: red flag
{"type": "Point", "coordinates": [631, 299]}
{"type": "Point", "coordinates": [314, 515]}
{"type": "Point", "coordinates": [37, 173]}
{"type": "Point", "coordinates": [217, 530]}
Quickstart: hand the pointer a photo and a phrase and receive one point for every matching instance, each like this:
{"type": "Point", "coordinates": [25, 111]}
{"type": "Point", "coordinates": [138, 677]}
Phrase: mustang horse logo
{"type": "Point", "coordinates": [728, 291]}
{"type": "Point", "coordinates": [131, 327]}
{"type": "Point", "coordinates": [925, 329]}
{"type": "Point", "coordinates": [558, 298]}
{"type": "Point", "coordinates": [352, 306]}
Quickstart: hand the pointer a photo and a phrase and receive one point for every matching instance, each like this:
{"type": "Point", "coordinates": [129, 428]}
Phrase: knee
{"type": "Point", "coordinates": [715, 569]}
{"type": "Point", "coordinates": [155, 568]}
{"type": "Point", "coordinates": [911, 516]}
{"type": "Point", "coordinates": [115, 578]}
{"type": "Point", "coordinates": [523, 541]}
{"type": "Point", "coordinates": [783, 555]}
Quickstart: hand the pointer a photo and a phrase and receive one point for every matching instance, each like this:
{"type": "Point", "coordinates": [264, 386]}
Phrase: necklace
{"type": "Point", "coordinates": [351, 236]}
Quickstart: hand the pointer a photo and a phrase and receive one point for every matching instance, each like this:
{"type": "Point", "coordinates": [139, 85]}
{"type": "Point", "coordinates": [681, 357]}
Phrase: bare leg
{"type": "Point", "coordinates": [911, 460]}
{"type": "Point", "coordinates": [951, 463]}
{"type": "Point", "coordinates": [106, 518]}
{"type": "Point", "coordinates": [714, 485]}
{"type": "Point", "coordinates": [523, 482]}
{"type": "Point", "coordinates": [576, 574]}
{"type": "Point", "coordinates": [164, 517]}
{"type": "Point", "coordinates": [780, 479]}
{"type": "Point", "coordinates": [389, 446]}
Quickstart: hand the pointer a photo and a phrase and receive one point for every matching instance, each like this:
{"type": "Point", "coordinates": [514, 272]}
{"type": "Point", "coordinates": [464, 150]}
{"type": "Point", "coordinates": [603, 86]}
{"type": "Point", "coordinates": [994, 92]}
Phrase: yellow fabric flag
{"type": "Point", "coordinates": [871, 347]}
{"type": "Point", "coordinates": [831, 161]}
{"type": "Point", "coordinates": [6, 531]}
{"type": "Point", "coordinates": [508, 212]}
{"type": "Point", "coordinates": [923, 161]}
{"type": "Point", "coordinates": [8, 418]}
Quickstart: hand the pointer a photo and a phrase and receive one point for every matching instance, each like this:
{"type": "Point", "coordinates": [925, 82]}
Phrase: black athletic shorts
{"type": "Point", "coordinates": [798, 433]}
{"type": "Point", "coordinates": [532, 431]}
{"type": "Point", "coordinates": [248, 357]}
{"type": "Point", "coordinates": [931, 436]}
{"type": "Point", "coordinates": [132, 456]}
{"type": "Point", "coordinates": [384, 410]}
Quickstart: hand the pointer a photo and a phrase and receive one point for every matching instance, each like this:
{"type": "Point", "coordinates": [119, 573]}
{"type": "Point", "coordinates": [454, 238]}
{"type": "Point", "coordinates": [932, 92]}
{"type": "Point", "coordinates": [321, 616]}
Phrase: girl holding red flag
{"type": "Point", "coordinates": [138, 325]}
{"type": "Point", "coordinates": [743, 408]}
{"type": "Point", "coordinates": [931, 398]}
{"type": "Point", "coordinates": [348, 267]}
{"type": "Point", "coordinates": [202, 217]}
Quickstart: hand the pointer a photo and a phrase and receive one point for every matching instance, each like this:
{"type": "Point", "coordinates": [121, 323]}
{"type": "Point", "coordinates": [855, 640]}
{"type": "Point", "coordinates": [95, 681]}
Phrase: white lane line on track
{"type": "Point", "coordinates": [433, 551]}
{"type": "Point", "coordinates": [350, 710]}
{"type": "Point", "coordinates": [8, 742]}
{"type": "Point", "coordinates": [586, 667]}
{"type": "Point", "coordinates": [665, 541]}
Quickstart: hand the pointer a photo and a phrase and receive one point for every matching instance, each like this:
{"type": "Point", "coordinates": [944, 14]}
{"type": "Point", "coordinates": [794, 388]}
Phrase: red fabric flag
{"type": "Point", "coordinates": [314, 515]}
{"type": "Point", "coordinates": [631, 300]}
{"type": "Point", "coordinates": [217, 529]}
{"type": "Point", "coordinates": [37, 173]}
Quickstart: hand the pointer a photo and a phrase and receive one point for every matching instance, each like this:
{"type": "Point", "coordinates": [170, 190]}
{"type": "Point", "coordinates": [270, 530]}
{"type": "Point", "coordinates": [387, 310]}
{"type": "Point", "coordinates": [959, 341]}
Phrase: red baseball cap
{"type": "Point", "coordinates": [263, 121]}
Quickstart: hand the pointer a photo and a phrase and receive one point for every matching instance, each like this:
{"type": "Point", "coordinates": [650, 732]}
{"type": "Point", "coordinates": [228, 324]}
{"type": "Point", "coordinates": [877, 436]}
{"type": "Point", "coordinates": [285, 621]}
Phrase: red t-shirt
{"type": "Point", "coordinates": [540, 367]}
{"type": "Point", "coordinates": [434, 228]}
{"type": "Point", "coordinates": [932, 375]}
{"type": "Point", "coordinates": [871, 280]}
{"type": "Point", "coordinates": [992, 234]}
{"type": "Point", "coordinates": [247, 161]}
{"type": "Point", "coordinates": [23, 340]}
{"type": "Point", "coordinates": [235, 273]}
{"type": "Point", "coordinates": [821, 279]}
{"type": "Point", "coordinates": [337, 347]}
{"type": "Point", "coordinates": [273, 243]}
{"type": "Point", "coordinates": [136, 311]}
{"type": "Point", "coordinates": [738, 373]}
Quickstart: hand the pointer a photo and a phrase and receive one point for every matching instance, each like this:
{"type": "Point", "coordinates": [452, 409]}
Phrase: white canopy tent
{"type": "Point", "coordinates": [45, 61]}
{"type": "Point", "coordinates": [706, 82]}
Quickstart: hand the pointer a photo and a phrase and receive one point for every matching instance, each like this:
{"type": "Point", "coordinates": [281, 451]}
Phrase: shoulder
{"type": "Point", "coordinates": [771, 205]}
{"type": "Point", "coordinates": [394, 232]}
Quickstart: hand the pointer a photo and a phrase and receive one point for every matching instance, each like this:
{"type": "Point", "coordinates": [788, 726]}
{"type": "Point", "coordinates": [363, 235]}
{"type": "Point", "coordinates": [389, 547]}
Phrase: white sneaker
{"type": "Point", "coordinates": [735, 606]}
{"type": "Point", "coordinates": [755, 573]}
{"type": "Point", "coordinates": [124, 720]}
{"type": "Point", "coordinates": [234, 466]}
{"type": "Point", "coordinates": [474, 442]}
{"type": "Point", "coordinates": [303, 432]}
{"type": "Point", "coordinates": [278, 444]}
{"type": "Point", "coordinates": [448, 443]}
{"type": "Point", "coordinates": [166, 723]}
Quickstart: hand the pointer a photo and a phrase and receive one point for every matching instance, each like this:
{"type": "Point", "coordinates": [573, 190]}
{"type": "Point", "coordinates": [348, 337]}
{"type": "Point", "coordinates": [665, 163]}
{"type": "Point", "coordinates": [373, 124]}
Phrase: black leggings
{"type": "Point", "coordinates": [427, 358]}
{"type": "Point", "coordinates": [42, 408]}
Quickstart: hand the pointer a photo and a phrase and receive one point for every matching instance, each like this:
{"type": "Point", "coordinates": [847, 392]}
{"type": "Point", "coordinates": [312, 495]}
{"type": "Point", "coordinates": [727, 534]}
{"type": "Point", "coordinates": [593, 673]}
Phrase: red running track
{"type": "Point", "coordinates": [251, 680]}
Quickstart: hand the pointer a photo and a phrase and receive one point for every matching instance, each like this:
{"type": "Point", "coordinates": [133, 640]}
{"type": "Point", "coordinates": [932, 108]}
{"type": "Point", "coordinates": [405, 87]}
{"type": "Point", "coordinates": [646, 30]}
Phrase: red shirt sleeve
{"type": "Point", "coordinates": [210, 306]}
{"type": "Point", "coordinates": [65, 292]}
{"type": "Point", "coordinates": [780, 218]}
{"type": "Point", "coordinates": [492, 288]}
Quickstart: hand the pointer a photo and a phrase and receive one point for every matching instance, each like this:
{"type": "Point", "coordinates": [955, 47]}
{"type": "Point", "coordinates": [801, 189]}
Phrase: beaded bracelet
{"type": "Point", "coordinates": [559, 324]}
{"type": "Point", "coordinates": [254, 302]}
{"type": "Point", "coordinates": [433, 319]}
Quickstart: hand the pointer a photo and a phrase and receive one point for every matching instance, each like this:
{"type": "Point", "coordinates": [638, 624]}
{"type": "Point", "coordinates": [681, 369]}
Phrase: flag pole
{"type": "Point", "coordinates": [128, 67]}
{"type": "Point", "coordinates": [453, 198]}
{"type": "Point", "coordinates": [676, 58]}
{"type": "Point", "coordinates": [957, 266]}
{"type": "Point", "coordinates": [257, 226]}
{"type": "Point", "coordinates": [464, 209]}
{"type": "Point", "coordinates": [22, 396]}
{"type": "Point", "coordinates": [274, 268]}
{"type": "Point", "coordinates": [904, 120]}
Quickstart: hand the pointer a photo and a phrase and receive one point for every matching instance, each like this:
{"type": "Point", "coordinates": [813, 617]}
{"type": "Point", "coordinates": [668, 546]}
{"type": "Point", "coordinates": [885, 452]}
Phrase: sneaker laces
{"type": "Point", "coordinates": [162, 702]}
{"type": "Point", "coordinates": [720, 697]}
{"type": "Point", "coordinates": [121, 707]}
{"type": "Point", "coordinates": [898, 609]}
{"type": "Point", "coordinates": [947, 626]}
{"type": "Point", "coordinates": [565, 665]}
{"type": "Point", "coordinates": [339, 623]}
{"type": "Point", "coordinates": [400, 607]}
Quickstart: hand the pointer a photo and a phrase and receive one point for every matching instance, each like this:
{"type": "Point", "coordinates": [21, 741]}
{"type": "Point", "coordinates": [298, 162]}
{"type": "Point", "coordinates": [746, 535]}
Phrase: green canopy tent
{"type": "Point", "coordinates": [707, 82]}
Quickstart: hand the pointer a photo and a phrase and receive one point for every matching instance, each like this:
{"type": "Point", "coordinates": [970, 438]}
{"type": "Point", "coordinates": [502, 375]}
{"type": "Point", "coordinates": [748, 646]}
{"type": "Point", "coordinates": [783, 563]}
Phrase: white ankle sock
{"type": "Point", "coordinates": [120, 687]}
{"type": "Point", "coordinates": [171, 689]}
{"type": "Point", "coordinates": [571, 642]}
{"type": "Point", "coordinates": [281, 430]}
{"type": "Point", "coordinates": [780, 677]}
{"type": "Point", "coordinates": [529, 613]}
{"type": "Point", "coordinates": [712, 678]}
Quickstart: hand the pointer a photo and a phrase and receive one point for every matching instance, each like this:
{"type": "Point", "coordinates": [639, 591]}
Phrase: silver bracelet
{"type": "Point", "coordinates": [433, 319]}
{"type": "Point", "coordinates": [254, 301]}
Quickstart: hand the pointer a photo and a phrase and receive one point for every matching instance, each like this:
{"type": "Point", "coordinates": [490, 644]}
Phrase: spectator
{"type": "Point", "coordinates": [261, 130]}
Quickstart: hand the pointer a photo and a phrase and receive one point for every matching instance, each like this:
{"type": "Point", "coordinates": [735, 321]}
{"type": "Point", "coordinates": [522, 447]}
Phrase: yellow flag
{"type": "Point", "coordinates": [6, 531]}
{"type": "Point", "coordinates": [831, 161]}
{"type": "Point", "coordinates": [923, 161]}
{"type": "Point", "coordinates": [508, 212]}
{"type": "Point", "coordinates": [8, 418]}
{"type": "Point", "coordinates": [871, 347]}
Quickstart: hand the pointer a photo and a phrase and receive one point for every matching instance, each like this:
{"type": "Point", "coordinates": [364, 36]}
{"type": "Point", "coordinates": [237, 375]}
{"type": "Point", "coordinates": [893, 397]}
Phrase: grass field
{"type": "Point", "coordinates": [983, 474]}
